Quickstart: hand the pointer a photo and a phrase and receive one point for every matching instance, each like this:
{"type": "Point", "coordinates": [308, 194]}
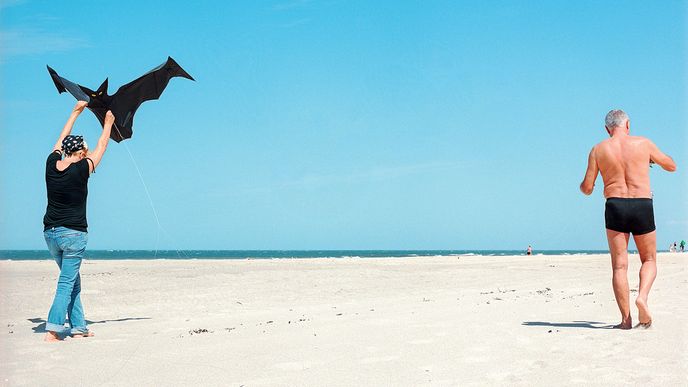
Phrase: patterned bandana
{"type": "Point", "coordinates": [71, 144]}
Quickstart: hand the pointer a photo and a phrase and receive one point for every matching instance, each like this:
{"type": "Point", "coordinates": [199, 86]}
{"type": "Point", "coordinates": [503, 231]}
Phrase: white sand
{"type": "Point", "coordinates": [347, 322]}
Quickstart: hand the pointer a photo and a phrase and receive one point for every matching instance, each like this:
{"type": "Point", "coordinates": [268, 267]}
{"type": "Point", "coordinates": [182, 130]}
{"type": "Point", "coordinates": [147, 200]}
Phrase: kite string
{"type": "Point", "coordinates": [150, 200]}
{"type": "Point", "coordinates": [145, 187]}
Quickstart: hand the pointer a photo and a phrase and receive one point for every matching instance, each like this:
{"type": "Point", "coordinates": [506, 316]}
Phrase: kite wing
{"type": "Point", "coordinates": [129, 97]}
{"type": "Point", "coordinates": [81, 93]}
{"type": "Point", "coordinates": [63, 85]}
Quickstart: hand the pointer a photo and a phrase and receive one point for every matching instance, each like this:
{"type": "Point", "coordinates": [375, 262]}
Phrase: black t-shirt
{"type": "Point", "coordinates": [67, 192]}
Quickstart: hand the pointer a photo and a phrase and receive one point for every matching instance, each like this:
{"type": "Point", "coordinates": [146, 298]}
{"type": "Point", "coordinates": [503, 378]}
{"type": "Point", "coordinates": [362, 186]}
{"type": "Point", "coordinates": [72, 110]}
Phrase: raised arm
{"type": "Point", "coordinates": [97, 153]}
{"type": "Point", "coordinates": [588, 183]}
{"type": "Point", "coordinates": [658, 157]}
{"type": "Point", "coordinates": [67, 129]}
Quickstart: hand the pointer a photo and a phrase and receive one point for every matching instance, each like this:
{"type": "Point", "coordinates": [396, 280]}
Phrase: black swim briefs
{"type": "Point", "coordinates": [629, 215]}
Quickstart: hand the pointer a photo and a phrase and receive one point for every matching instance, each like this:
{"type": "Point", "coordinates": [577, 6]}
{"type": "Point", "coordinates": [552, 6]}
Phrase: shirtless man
{"type": "Point", "coordinates": [623, 162]}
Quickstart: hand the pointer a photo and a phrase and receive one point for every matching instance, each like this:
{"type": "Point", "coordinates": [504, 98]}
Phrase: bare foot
{"type": "Point", "coordinates": [82, 335]}
{"type": "Point", "coordinates": [51, 336]}
{"type": "Point", "coordinates": [625, 324]}
{"type": "Point", "coordinates": [644, 316]}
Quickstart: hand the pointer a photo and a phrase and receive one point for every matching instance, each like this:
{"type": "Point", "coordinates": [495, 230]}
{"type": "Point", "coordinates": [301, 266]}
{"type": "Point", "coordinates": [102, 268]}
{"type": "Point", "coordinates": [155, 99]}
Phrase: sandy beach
{"type": "Point", "coordinates": [541, 320]}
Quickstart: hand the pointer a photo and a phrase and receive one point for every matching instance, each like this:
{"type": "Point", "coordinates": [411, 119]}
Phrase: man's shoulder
{"type": "Point", "coordinates": [642, 142]}
{"type": "Point", "coordinates": [601, 144]}
{"type": "Point", "coordinates": [639, 138]}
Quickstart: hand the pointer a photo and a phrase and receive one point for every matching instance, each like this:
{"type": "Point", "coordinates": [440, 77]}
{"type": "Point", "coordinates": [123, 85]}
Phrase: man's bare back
{"type": "Point", "coordinates": [623, 161]}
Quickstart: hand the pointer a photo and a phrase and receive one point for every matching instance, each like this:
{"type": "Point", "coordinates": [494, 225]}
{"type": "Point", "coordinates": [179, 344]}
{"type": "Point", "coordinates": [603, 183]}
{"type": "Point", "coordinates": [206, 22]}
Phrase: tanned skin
{"type": "Point", "coordinates": [623, 160]}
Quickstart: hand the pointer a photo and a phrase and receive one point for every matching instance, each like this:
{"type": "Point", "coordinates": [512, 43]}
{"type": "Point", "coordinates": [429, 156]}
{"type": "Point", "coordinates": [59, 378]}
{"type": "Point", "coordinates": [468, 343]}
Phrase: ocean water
{"type": "Point", "coordinates": [32, 255]}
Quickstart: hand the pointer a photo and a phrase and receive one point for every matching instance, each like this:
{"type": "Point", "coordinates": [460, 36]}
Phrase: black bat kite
{"type": "Point", "coordinates": [127, 99]}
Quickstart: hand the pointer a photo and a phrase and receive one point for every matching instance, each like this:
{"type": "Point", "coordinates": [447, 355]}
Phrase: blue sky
{"type": "Point", "coordinates": [346, 124]}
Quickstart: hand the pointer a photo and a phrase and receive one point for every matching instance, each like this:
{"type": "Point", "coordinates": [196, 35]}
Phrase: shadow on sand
{"type": "Point", "coordinates": [573, 324]}
{"type": "Point", "coordinates": [40, 328]}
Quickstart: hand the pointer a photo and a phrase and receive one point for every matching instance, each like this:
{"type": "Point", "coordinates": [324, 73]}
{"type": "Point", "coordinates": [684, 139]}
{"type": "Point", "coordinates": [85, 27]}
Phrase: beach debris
{"type": "Point", "coordinates": [239, 302]}
{"type": "Point", "coordinates": [198, 331]}
{"type": "Point", "coordinates": [299, 320]}
{"type": "Point", "coordinates": [426, 299]}
{"type": "Point", "coordinates": [544, 292]}
{"type": "Point", "coordinates": [230, 329]}
{"type": "Point", "coordinates": [506, 290]}
{"type": "Point", "coordinates": [339, 314]}
{"type": "Point", "coordinates": [269, 322]}
{"type": "Point", "coordinates": [497, 299]}
{"type": "Point", "coordinates": [579, 295]}
{"type": "Point", "coordinates": [486, 292]}
{"type": "Point", "coordinates": [97, 274]}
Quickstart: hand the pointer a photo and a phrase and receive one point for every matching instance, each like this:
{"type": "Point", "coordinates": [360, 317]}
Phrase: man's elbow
{"type": "Point", "coordinates": [585, 189]}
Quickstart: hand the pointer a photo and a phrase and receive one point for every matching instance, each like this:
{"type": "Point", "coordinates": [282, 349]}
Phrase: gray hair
{"type": "Point", "coordinates": [615, 118]}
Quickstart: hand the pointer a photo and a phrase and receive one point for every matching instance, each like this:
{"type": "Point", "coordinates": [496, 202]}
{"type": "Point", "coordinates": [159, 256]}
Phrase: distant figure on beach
{"type": "Point", "coordinates": [683, 245]}
{"type": "Point", "coordinates": [66, 180]}
{"type": "Point", "coordinates": [672, 247]}
{"type": "Point", "coordinates": [529, 251]}
{"type": "Point", "coordinates": [623, 161]}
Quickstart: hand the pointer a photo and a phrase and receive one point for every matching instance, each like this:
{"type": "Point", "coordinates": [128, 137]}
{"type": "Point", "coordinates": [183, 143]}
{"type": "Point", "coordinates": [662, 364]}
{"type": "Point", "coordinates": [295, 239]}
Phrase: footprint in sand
{"type": "Point", "coordinates": [476, 359]}
{"type": "Point", "coordinates": [379, 359]}
{"type": "Point", "coordinates": [293, 365]}
{"type": "Point", "coordinates": [382, 322]}
{"type": "Point", "coordinates": [421, 341]}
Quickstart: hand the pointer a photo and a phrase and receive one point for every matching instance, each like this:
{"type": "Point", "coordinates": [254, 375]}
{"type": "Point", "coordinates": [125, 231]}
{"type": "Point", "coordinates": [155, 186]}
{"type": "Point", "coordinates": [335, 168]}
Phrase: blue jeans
{"type": "Point", "coordinates": [67, 247]}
